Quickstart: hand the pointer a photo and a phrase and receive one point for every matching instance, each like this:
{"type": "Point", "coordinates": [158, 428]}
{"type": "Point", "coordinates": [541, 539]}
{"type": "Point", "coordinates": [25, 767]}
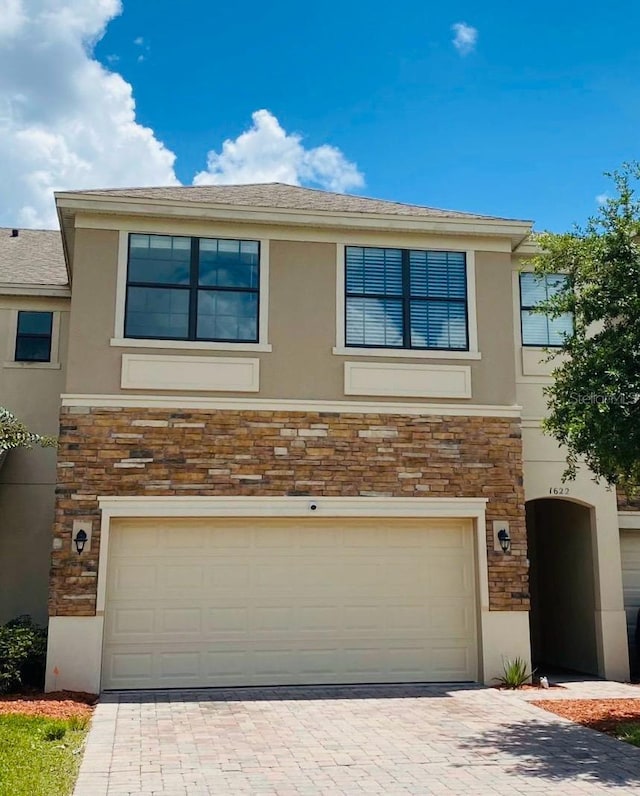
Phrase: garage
{"type": "Point", "coordinates": [298, 600]}
{"type": "Point", "coordinates": [630, 554]}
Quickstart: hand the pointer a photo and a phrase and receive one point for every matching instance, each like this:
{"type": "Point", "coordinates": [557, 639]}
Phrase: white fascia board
{"type": "Point", "coordinates": [291, 217]}
{"type": "Point", "coordinates": [48, 291]}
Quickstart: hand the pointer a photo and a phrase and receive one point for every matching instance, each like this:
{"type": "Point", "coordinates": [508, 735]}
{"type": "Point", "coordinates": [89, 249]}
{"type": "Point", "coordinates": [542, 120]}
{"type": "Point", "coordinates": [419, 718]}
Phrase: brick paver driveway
{"type": "Point", "coordinates": [374, 740]}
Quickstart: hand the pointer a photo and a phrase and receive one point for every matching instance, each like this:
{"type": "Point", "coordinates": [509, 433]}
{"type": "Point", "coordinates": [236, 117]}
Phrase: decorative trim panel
{"type": "Point", "coordinates": [158, 372]}
{"type": "Point", "coordinates": [407, 380]}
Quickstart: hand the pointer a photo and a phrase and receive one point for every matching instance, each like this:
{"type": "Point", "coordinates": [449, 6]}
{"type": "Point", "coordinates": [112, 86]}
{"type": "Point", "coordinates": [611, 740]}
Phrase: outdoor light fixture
{"type": "Point", "coordinates": [505, 540]}
{"type": "Point", "coordinates": [80, 540]}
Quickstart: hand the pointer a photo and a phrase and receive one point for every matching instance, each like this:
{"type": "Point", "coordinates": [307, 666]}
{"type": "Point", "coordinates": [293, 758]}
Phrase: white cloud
{"type": "Point", "coordinates": [465, 37]}
{"type": "Point", "coordinates": [139, 41]}
{"type": "Point", "coordinates": [12, 16]}
{"type": "Point", "coordinates": [267, 153]}
{"type": "Point", "coordinates": [66, 122]}
{"type": "Point", "coordinates": [602, 198]}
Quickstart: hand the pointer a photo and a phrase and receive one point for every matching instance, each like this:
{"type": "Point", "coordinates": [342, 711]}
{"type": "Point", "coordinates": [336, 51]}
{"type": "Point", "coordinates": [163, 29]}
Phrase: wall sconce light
{"type": "Point", "coordinates": [505, 540]}
{"type": "Point", "coordinates": [80, 540]}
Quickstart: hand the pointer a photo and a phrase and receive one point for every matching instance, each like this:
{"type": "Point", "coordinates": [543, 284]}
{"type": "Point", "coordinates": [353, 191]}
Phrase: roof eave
{"type": "Point", "coordinates": [27, 289]}
{"type": "Point", "coordinates": [494, 227]}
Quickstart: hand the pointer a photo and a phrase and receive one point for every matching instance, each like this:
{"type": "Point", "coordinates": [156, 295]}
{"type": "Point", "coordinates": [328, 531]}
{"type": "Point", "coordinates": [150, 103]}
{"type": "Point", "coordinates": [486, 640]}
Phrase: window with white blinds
{"type": "Point", "coordinates": [539, 329]}
{"type": "Point", "coordinates": [406, 298]}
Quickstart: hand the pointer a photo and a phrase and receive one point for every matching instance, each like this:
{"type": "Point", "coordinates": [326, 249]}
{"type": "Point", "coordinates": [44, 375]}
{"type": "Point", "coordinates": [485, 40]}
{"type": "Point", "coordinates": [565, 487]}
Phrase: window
{"type": "Point", "coordinates": [181, 288]}
{"type": "Point", "coordinates": [538, 329]}
{"type": "Point", "coordinates": [400, 298]}
{"type": "Point", "coordinates": [33, 336]}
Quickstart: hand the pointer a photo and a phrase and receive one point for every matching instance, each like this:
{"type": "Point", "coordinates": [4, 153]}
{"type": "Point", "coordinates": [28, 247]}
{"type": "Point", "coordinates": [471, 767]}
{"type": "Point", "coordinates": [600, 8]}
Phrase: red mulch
{"type": "Point", "coordinates": [598, 714]}
{"type": "Point", "coordinates": [55, 705]}
{"type": "Point", "coordinates": [528, 687]}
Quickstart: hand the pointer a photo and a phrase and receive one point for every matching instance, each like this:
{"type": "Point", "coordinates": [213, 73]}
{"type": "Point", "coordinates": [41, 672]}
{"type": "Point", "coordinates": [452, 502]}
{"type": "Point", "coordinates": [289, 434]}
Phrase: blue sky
{"type": "Point", "coordinates": [524, 125]}
{"type": "Point", "coordinates": [522, 122]}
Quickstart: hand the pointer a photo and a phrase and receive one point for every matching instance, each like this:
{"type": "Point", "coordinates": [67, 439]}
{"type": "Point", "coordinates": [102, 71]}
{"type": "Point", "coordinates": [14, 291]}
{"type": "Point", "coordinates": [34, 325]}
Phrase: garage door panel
{"type": "Point", "coordinates": [455, 620]}
{"type": "Point", "coordinates": [135, 577]}
{"type": "Point", "coordinates": [450, 658]}
{"type": "Point", "coordinates": [249, 602]}
{"type": "Point", "coordinates": [227, 619]}
{"type": "Point", "coordinates": [630, 554]}
{"type": "Point", "coordinates": [181, 620]}
{"type": "Point", "coordinates": [123, 621]}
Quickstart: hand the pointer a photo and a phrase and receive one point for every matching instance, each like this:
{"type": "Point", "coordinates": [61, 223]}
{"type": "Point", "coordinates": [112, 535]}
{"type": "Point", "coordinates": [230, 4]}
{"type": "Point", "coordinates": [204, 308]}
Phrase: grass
{"type": "Point", "coordinates": [629, 733]}
{"type": "Point", "coordinates": [39, 756]}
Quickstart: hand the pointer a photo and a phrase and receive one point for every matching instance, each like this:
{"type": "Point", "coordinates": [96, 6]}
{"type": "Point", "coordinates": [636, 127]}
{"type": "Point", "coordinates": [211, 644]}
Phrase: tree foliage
{"type": "Point", "coordinates": [14, 434]}
{"type": "Point", "coordinates": [594, 400]}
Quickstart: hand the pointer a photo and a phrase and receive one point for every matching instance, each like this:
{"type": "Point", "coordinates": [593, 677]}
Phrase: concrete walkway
{"type": "Point", "coordinates": [369, 740]}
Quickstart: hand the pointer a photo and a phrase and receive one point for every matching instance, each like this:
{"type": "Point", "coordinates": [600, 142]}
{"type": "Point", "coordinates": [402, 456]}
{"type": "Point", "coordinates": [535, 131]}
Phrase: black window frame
{"type": "Point", "coordinates": [33, 336]}
{"type": "Point", "coordinates": [529, 308]}
{"type": "Point", "coordinates": [193, 288]}
{"type": "Point", "coordinates": [406, 299]}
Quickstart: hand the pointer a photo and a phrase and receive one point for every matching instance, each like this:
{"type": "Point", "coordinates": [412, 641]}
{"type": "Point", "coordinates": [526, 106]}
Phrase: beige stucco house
{"type": "Point", "coordinates": [34, 309]}
{"type": "Point", "coordinates": [300, 443]}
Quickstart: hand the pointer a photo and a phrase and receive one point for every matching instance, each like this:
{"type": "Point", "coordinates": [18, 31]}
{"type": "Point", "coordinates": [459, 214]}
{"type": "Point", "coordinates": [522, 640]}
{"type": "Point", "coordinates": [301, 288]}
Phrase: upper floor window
{"type": "Point", "coordinates": [33, 336]}
{"type": "Point", "coordinates": [181, 288]}
{"type": "Point", "coordinates": [406, 298]}
{"type": "Point", "coordinates": [539, 329]}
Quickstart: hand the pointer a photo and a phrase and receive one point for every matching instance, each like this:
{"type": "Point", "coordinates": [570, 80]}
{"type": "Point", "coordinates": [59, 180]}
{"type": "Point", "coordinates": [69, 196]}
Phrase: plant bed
{"type": "Point", "coordinates": [619, 718]}
{"type": "Point", "coordinates": [55, 705]}
{"type": "Point", "coordinates": [530, 687]}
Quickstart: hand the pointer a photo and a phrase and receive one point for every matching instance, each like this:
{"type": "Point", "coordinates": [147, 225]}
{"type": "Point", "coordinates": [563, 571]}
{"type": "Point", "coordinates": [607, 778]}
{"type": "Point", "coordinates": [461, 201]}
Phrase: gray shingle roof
{"type": "Point", "coordinates": [281, 196]}
{"type": "Point", "coordinates": [34, 257]}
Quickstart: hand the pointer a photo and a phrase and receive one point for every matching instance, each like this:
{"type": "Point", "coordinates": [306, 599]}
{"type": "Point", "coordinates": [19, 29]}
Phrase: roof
{"type": "Point", "coordinates": [32, 257]}
{"type": "Point", "coordinates": [280, 196]}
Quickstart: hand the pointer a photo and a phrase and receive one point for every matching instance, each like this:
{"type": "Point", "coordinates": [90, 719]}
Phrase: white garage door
{"type": "Point", "coordinates": [630, 552]}
{"type": "Point", "coordinates": [262, 602]}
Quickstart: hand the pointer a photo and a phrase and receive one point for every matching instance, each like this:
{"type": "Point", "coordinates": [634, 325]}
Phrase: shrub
{"type": "Point", "coordinates": [54, 731]}
{"type": "Point", "coordinates": [23, 651]}
{"type": "Point", "coordinates": [514, 673]}
{"type": "Point", "coordinates": [77, 722]}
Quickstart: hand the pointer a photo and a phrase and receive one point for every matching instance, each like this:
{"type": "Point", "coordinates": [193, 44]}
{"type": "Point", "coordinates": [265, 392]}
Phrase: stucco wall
{"type": "Point", "coordinates": [302, 320]}
{"type": "Point", "coordinates": [28, 477]}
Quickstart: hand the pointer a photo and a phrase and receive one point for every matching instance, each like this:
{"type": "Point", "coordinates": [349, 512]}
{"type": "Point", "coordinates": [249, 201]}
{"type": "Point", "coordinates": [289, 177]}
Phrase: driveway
{"type": "Point", "coordinates": [424, 739]}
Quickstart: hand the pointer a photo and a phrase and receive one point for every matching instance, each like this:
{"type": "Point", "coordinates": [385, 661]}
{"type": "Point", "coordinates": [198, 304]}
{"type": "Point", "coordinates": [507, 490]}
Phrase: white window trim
{"type": "Point", "coordinates": [341, 349]}
{"type": "Point", "coordinates": [119, 340]}
{"type": "Point", "coordinates": [414, 408]}
{"type": "Point", "coordinates": [54, 358]}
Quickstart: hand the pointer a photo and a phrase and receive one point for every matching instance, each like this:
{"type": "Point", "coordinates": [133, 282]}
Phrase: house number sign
{"type": "Point", "coordinates": [558, 490]}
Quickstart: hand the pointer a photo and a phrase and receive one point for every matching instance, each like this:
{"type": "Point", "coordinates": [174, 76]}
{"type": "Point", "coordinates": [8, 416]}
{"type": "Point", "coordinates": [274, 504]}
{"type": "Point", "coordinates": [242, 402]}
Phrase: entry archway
{"type": "Point", "coordinates": [562, 585]}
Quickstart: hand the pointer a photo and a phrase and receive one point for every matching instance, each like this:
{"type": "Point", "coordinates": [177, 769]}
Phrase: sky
{"type": "Point", "coordinates": [497, 107]}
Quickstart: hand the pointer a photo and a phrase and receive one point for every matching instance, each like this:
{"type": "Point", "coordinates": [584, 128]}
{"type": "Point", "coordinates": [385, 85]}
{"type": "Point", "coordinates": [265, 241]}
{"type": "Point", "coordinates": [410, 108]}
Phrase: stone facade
{"type": "Point", "coordinates": [627, 503]}
{"type": "Point", "coordinates": [127, 452]}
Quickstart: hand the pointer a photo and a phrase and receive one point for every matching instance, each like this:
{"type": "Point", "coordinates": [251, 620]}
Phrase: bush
{"type": "Point", "coordinates": [514, 674]}
{"type": "Point", "coordinates": [55, 731]}
{"type": "Point", "coordinates": [23, 652]}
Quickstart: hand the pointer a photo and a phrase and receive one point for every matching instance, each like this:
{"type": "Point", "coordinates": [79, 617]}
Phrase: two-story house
{"type": "Point", "coordinates": [300, 443]}
{"type": "Point", "coordinates": [34, 303]}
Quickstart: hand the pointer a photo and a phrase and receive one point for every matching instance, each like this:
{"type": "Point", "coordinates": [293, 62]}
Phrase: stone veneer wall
{"type": "Point", "coordinates": [625, 503]}
{"type": "Point", "coordinates": [151, 452]}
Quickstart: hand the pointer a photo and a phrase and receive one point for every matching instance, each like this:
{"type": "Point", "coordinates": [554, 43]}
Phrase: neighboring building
{"type": "Point", "coordinates": [34, 307]}
{"type": "Point", "coordinates": [296, 428]}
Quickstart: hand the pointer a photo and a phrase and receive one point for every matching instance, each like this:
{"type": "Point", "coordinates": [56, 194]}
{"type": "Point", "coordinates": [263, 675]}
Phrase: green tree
{"type": "Point", "coordinates": [14, 434]}
{"type": "Point", "coordinates": [594, 400]}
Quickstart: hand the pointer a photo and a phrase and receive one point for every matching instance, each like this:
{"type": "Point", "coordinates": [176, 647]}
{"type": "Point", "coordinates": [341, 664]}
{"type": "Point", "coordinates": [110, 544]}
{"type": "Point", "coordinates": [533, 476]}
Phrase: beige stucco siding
{"type": "Point", "coordinates": [28, 477]}
{"type": "Point", "coordinates": [494, 375]}
{"type": "Point", "coordinates": [302, 323]}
